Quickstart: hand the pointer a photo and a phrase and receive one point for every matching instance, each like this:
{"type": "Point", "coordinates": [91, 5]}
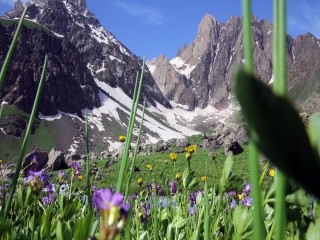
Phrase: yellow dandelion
{"type": "Point", "coordinates": [149, 167]}
{"type": "Point", "coordinates": [271, 172]}
{"type": "Point", "coordinates": [140, 181]}
{"type": "Point", "coordinates": [173, 156]}
{"type": "Point", "coordinates": [80, 177]}
{"type": "Point", "coordinates": [191, 148]}
{"type": "Point", "coordinates": [204, 179]}
{"type": "Point", "coordinates": [122, 138]}
{"type": "Point", "coordinates": [178, 176]}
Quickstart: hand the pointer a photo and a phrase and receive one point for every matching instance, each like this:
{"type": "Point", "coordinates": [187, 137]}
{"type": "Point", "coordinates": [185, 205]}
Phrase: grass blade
{"type": "Point", "coordinates": [124, 161]}
{"type": "Point", "coordinates": [258, 225]}
{"type": "Point", "coordinates": [135, 153]}
{"type": "Point", "coordinates": [25, 141]}
{"type": "Point", "coordinates": [11, 49]}
{"type": "Point", "coordinates": [88, 165]}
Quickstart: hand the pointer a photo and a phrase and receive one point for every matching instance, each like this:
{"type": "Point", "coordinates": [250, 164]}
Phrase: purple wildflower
{"type": "Point", "coordinates": [247, 189]}
{"type": "Point", "coordinates": [232, 203]}
{"type": "Point", "coordinates": [47, 200]}
{"type": "Point", "coordinates": [76, 169]}
{"type": "Point", "coordinates": [35, 160]}
{"type": "Point", "coordinates": [232, 194]}
{"type": "Point", "coordinates": [192, 210]}
{"type": "Point", "coordinates": [145, 212]}
{"type": "Point", "coordinates": [247, 202]}
{"type": "Point", "coordinates": [173, 187]}
{"type": "Point", "coordinates": [153, 189]}
{"type": "Point", "coordinates": [192, 198]}
{"type": "Point", "coordinates": [112, 210]}
{"type": "Point", "coordinates": [37, 180]}
{"type": "Point", "coordinates": [61, 176]}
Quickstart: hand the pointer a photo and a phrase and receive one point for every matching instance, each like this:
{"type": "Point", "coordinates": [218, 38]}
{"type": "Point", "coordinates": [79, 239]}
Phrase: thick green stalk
{"type": "Point", "coordinates": [135, 153]}
{"type": "Point", "coordinates": [88, 166]}
{"type": "Point", "coordinates": [129, 132]}
{"type": "Point", "coordinates": [258, 225]}
{"type": "Point", "coordinates": [11, 49]}
{"type": "Point", "coordinates": [280, 88]}
{"type": "Point", "coordinates": [25, 141]}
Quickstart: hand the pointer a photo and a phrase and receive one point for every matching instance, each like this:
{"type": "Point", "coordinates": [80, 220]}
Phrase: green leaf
{"type": "Point", "coordinates": [5, 227]}
{"type": "Point", "coordinates": [59, 232]}
{"type": "Point", "coordinates": [314, 132]}
{"type": "Point", "coordinates": [277, 130]}
{"type": "Point", "coordinates": [313, 231]}
{"type": "Point", "coordinates": [83, 227]}
{"type": "Point", "coordinates": [226, 172]}
{"type": "Point", "coordinates": [188, 179]}
{"type": "Point", "coordinates": [299, 198]}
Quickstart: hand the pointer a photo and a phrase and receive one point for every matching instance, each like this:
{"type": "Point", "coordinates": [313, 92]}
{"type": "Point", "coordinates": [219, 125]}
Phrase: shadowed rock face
{"type": "Point", "coordinates": [217, 48]}
{"type": "Point", "coordinates": [79, 50]}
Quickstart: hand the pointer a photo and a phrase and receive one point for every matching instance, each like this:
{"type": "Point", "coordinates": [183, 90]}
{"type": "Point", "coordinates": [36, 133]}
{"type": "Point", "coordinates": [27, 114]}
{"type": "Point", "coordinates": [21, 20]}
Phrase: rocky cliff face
{"type": "Point", "coordinates": [207, 63]}
{"type": "Point", "coordinates": [81, 54]}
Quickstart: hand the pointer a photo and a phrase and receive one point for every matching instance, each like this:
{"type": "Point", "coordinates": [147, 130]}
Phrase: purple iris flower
{"type": "Point", "coordinates": [104, 199]}
{"type": "Point", "coordinates": [247, 188]}
{"type": "Point", "coordinates": [192, 210]}
{"type": "Point", "coordinates": [192, 198]}
{"type": "Point", "coordinates": [247, 202]}
{"type": "Point", "coordinates": [76, 168]}
{"type": "Point", "coordinates": [37, 180]}
{"type": "Point", "coordinates": [232, 203]}
{"type": "Point", "coordinates": [232, 194]}
{"type": "Point", "coordinates": [145, 212]}
{"type": "Point", "coordinates": [47, 200]}
{"type": "Point", "coordinates": [173, 187]}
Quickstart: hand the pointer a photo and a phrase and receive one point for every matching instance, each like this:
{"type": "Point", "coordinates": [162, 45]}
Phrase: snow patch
{"type": "Point", "coordinates": [114, 58]}
{"type": "Point", "coordinates": [182, 67]}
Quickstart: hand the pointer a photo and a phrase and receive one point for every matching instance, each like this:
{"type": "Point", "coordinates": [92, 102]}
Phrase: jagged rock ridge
{"type": "Point", "coordinates": [80, 52]}
{"type": "Point", "coordinates": [207, 63]}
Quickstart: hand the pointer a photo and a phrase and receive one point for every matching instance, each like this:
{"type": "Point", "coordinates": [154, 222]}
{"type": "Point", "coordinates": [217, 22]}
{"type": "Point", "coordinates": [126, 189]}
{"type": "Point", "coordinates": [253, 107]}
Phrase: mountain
{"type": "Point", "coordinates": [89, 72]}
{"type": "Point", "coordinates": [204, 68]}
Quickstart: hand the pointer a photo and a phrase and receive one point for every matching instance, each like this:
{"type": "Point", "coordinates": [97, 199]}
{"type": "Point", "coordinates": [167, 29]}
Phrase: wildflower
{"type": "Point", "coordinates": [188, 155]}
{"type": "Point", "coordinates": [192, 210]}
{"type": "Point", "coordinates": [232, 204]}
{"type": "Point", "coordinates": [166, 161]}
{"type": "Point", "coordinates": [173, 156]}
{"type": "Point", "coordinates": [232, 194]}
{"type": "Point", "coordinates": [140, 181]}
{"type": "Point", "coordinates": [144, 213]}
{"type": "Point", "coordinates": [35, 160]}
{"type": "Point", "coordinates": [204, 179]}
{"type": "Point", "coordinates": [247, 202]}
{"type": "Point", "coordinates": [63, 189]}
{"type": "Point", "coordinates": [240, 196]}
{"type": "Point", "coordinates": [122, 138]}
{"type": "Point", "coordinates": [61, 176]}
{"type": "Point", "coordinates": [173, 187]}
{"type": "Point", "coordinates": [192, 197]}
{"type": "Point", "coordinates": [149, 167]}
{"type": "Point", "coordinates": [37, 180]}
{"type": "Point", "coordinates": [80, 177]}
{"type": "Point", "coordinates": [247, 189]}
{"type": "Point", "coordinates": [76, 169]}
{"type": "Point", "coordinates": [271, 172]}
{"type": "Point", "coordinates": [113, 212]}
{"type": "Point", "coordinates": [178, 176]}
{"type": "Point", "coordinates": [153, 189]}
{"type": "Point", "coordinates": [191, 148]}
{"type": "Point", "coordinates": [47, 200]}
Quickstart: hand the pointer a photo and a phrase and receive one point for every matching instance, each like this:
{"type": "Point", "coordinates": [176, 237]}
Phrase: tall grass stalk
{"type": "Point", "coordinates": [1, 110]}
{"type": "Point", "coordinates": [88, 165]}
{"type": "Point", "coordinates": [135, 153]}
{"type": "Point", "coordinates": [25, 141]}
{"type": "Point", "coordinates": [280, 88]}
{"type": "Point", "coordinates": [130, 129]}
{"type": "Point", "coordinates": [11, 49]}
{"type": "Point", "coordinates": [258, 224]}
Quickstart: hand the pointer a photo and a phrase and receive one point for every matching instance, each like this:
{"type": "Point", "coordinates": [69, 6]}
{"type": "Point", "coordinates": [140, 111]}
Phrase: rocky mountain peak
{"type": "Point", "coordinates": [208, 27]}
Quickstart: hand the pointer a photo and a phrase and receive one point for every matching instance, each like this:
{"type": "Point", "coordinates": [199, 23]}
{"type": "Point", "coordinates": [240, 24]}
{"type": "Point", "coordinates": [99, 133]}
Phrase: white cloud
{"type": "Point", "coordinates": [152, 15]}
{"type": "Point", "coordinates": [306, 19]}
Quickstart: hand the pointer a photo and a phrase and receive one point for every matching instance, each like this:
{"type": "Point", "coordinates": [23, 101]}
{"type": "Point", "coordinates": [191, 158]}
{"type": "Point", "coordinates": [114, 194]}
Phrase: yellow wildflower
{"type": "Point", "coordinates": [122, 138]}
{"type": "Point", "coordinates": [191, 148]}
{"type": "Point", "coordinates": [178, 176]}
{"type": "Point", "coordinates": [271, 172]}
{"type": "Point", "coordinates": [204, 179]}
{"type": "Point", "coordinates": [188, 155]}
{"type": "Point", "coordinates": [140, 181]}
{"type": "Point", "coordinates": [80, 177]}
{"type": "Point", "coordinates": [173, 156]}
{"type": "Point", "coordinates": [240, 196]}
{"type": "Point", "coordinates": [149, 167]}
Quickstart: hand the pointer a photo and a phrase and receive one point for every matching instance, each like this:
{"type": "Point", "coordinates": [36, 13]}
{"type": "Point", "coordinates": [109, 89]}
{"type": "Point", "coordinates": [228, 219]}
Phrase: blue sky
{"type": "Point", "coordinates": [153, 27]}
